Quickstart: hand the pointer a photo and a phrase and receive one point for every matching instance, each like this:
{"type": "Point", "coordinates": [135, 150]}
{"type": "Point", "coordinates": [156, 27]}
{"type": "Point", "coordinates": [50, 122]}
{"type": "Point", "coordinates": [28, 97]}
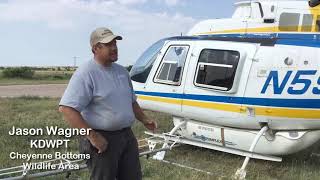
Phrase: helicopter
{"type": "Point", "coordinates": [247, 85]}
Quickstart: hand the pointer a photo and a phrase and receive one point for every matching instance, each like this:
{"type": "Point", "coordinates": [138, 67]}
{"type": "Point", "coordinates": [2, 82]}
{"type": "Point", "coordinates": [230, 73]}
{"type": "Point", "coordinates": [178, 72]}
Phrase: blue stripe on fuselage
{"type": "Point", "coordinates": [274, 102]}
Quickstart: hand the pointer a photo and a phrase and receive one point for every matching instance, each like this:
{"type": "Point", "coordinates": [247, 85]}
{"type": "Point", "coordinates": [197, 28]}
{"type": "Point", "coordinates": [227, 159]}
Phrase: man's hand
{"type": "Point", "coordinates": [74, 118]}
{"type": "Point", "coordinates": [150, 125]}
{"type": "Point", "coordinates": [98, 141]}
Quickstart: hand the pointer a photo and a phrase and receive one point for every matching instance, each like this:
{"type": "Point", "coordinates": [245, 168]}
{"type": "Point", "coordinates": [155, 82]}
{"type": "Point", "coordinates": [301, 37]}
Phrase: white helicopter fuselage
{"type": "Point", "coordinates": [229, 82]}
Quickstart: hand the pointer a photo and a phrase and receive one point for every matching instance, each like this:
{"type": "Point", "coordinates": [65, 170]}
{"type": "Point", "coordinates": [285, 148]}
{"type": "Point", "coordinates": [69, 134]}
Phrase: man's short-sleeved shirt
{"type": "Point", "coordinates": [103, 95]}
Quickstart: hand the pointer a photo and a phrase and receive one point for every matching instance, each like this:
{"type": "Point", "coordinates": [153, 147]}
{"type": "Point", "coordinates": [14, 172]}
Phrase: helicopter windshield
{"type": "Point", "coordinates": [143, 65]}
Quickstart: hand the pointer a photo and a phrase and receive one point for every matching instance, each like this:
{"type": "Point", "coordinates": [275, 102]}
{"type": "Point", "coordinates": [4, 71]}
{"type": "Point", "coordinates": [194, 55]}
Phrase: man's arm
{"type": "Point", "coordinates": [73, 117]}
{"type": "Point", "coordinates": [147, 122]}
{"type": "Point", "coordinates": [75, 120]}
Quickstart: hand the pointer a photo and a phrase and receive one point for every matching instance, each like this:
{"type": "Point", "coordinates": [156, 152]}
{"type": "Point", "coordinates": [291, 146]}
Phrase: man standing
{"type": "Point", "coordinates": [100, 96]}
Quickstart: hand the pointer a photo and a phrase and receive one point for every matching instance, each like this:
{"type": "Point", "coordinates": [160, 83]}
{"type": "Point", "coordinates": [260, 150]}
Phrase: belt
{"type": "Point", "coordinates": [115, 131]}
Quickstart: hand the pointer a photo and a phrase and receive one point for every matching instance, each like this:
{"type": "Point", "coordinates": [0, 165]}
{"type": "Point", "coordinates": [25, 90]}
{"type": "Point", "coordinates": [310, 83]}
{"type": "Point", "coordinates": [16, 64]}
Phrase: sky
{"type": "Point", "coordinates": [53, 32]}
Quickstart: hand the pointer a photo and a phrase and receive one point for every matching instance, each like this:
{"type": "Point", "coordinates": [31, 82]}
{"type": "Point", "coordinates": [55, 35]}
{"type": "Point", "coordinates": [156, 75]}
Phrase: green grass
{"type": "Point", "coordinates": [40, 77]}
{"type": "Point", "coordinates": [40, 112]}
{"type": "Point", "coordinates": [19, 81]}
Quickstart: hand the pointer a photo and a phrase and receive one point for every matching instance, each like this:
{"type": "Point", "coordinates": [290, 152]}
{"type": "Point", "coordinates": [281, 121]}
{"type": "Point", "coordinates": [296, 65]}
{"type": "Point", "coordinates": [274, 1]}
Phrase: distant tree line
{"type": "Point", "coordinates": [30, 73]}
{"type": "Point", "coordinates": [58, 68]}
{"type": "Point", "coordinates": [18, 72]}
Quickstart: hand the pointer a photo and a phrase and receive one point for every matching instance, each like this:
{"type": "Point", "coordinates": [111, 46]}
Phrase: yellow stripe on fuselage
{"type": "Point", "coordinates": [161, 99]}
{"type": "Point", "coordinates": [287, 112]}
{"type": "Point", "coordinates": [261, 111]}
{"type": "Point", "coordinates": [247, 30]}
{"type": "Point", "coordinates": [211, 105]}
{"type": "Point", "coordinates": [274, 29]}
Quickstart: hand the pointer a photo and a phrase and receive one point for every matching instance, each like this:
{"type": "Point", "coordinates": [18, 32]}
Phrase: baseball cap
{"type": "Point", "coordinates": [102, 35]}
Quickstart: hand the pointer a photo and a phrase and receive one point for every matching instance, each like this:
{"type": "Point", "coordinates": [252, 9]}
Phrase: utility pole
{"type": "Point", "coordinates": [75, 61]}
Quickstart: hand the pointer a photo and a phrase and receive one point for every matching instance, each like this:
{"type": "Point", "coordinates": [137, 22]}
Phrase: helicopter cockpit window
{"type": "Point", "coordinates": [217, 68]}
{"type": "Point", "coordinates": [289, 22]}
{"type": "Point", "coordinates": [140, 71]}
{"type": "Point", "coordinates": [172, 65]}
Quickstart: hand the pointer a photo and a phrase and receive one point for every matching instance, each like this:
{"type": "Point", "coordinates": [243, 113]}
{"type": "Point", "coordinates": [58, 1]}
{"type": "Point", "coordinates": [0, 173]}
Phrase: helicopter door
{"type": "Point", "coordinates": [167, 82]}
{"type": "Point", "coordinates": [216, 82]}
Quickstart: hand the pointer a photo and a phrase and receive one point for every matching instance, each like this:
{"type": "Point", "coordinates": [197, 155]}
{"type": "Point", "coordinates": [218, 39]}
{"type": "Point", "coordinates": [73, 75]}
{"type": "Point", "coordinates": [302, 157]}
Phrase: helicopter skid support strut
{"type": "Point", "coordinates": [169, 139]}
{"type": "Point", "coordinates": [241, 173]}
{"type": "Point", "coordinates": [180, 140]}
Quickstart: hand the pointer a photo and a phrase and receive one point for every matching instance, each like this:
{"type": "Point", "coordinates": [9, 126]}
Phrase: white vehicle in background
{"type": "Point", "coordinates": [248, 85]}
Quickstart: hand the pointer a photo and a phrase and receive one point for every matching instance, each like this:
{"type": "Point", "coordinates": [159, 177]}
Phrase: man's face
{"type": "Point", "coordinates": [107, 52]}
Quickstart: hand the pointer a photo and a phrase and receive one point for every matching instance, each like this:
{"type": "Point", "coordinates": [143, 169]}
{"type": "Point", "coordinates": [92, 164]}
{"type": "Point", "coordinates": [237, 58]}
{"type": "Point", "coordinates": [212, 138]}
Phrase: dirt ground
{"type": "Point", "coordinates": [43, 90]}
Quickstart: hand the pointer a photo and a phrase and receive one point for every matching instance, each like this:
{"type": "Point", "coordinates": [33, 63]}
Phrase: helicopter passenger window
{"type": "Point", "coordinates": [140, 71]}
{"type": "Point", "coordinates": [289, 22]}
{"type": "Point", "coordinates": [307, 23]}
{"type": "Point", "coordinates": [217, 68]}
{"type": "Point", "coordinates": [172, 65]}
